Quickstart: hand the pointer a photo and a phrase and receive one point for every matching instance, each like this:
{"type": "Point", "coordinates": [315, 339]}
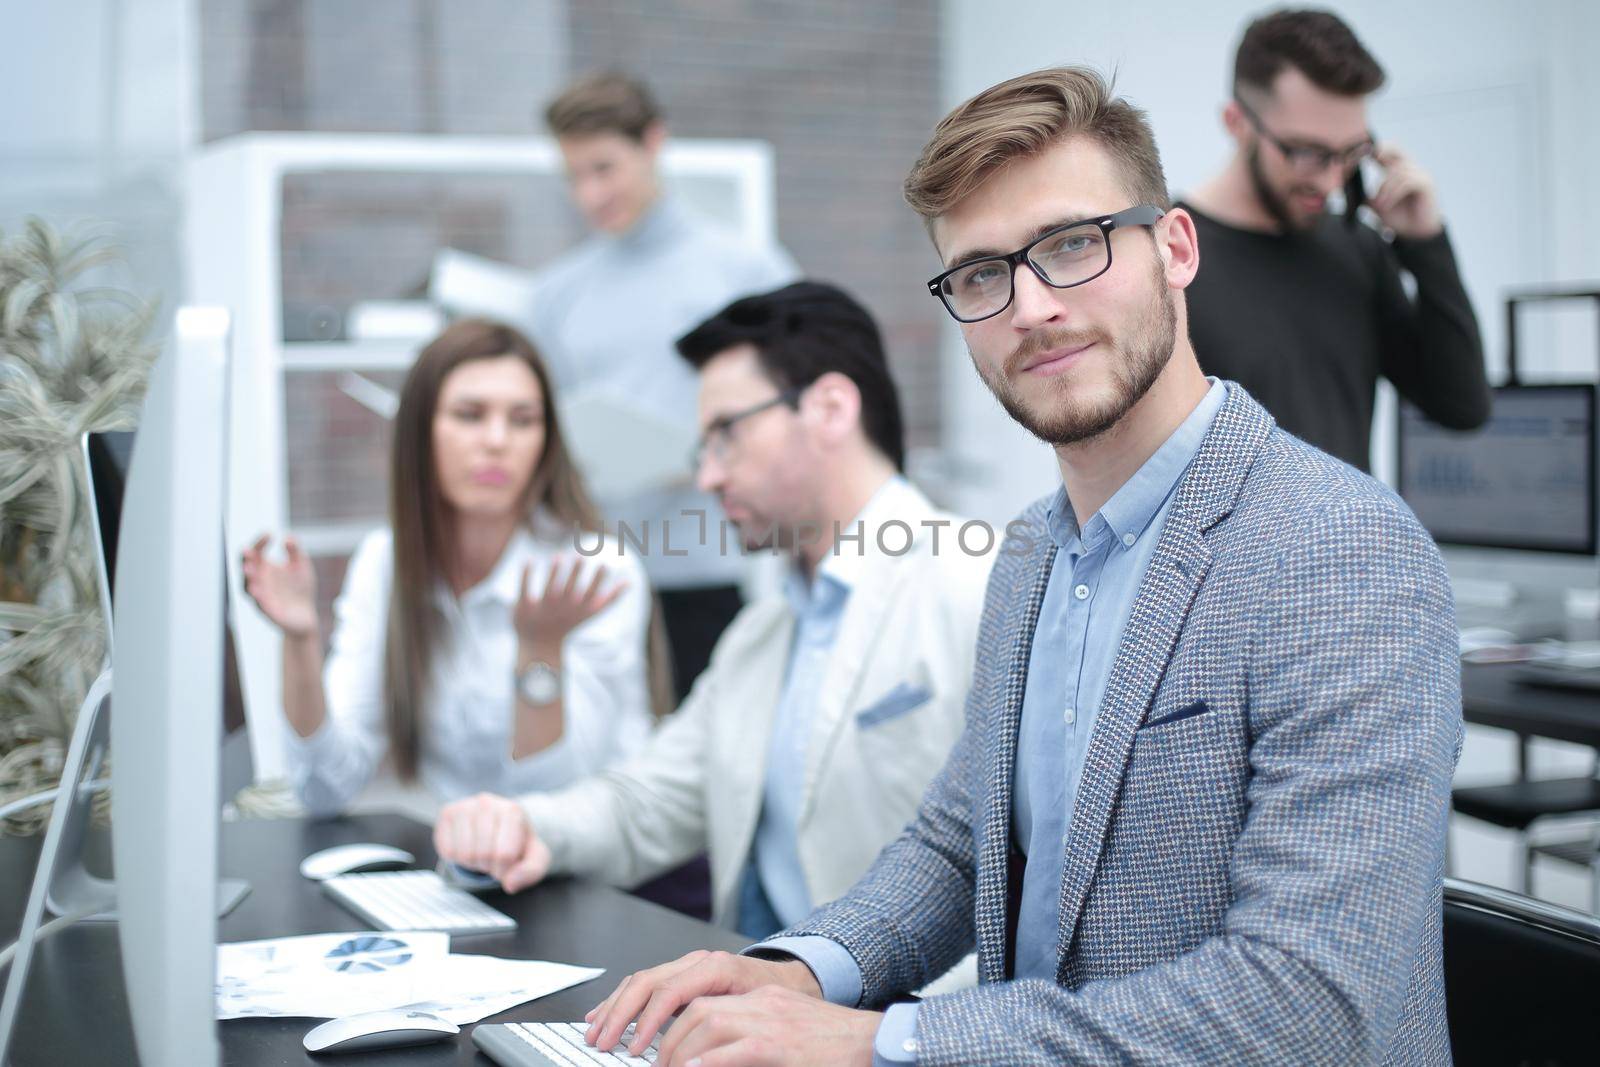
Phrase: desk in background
{"type": "Point", "coordinates": [75, 1011]}
{"type": "Point", "coordinates": [1492, 696]}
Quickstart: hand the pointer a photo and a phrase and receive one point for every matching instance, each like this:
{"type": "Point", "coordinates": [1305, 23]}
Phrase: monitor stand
{"type": "Point", "coordinates": [72, 889]}
{"type": "Point", "coordinates": [61, 882]}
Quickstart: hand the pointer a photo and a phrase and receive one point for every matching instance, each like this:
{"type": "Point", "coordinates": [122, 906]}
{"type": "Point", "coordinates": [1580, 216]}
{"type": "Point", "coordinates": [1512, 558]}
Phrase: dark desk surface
{"type": "Point", "coordinates": [75, 1011]}
{"type": "Point", "coordinates": [1492, 696]}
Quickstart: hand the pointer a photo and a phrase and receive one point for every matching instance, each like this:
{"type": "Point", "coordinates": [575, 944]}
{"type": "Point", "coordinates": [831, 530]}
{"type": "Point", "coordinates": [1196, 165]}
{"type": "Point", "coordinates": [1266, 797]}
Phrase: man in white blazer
{"type": "Point", "coordinates": [806, 745]}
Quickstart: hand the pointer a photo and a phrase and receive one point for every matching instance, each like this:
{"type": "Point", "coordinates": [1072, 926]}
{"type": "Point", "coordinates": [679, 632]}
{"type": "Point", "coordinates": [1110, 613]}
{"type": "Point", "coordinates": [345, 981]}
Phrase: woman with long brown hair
{"type": "Point", "coordinates": [473, 644]}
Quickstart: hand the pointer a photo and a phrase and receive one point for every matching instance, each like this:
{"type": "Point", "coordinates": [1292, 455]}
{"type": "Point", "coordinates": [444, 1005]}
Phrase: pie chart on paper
{"type": "Point", "coordinates": [368, 955]}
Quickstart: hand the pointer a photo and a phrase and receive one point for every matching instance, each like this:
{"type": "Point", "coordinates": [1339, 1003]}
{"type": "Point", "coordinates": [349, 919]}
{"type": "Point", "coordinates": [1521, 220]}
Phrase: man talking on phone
{"type": "Point", "coordinates": [1306, 308]}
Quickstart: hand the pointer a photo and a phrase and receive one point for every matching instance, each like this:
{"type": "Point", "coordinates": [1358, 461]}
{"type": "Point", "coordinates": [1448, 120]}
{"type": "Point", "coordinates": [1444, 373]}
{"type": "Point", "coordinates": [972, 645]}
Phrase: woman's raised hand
{"type": "Point", "coordinates": [285, 592]}
{"type": "Point", "coordinates": [543, 620]}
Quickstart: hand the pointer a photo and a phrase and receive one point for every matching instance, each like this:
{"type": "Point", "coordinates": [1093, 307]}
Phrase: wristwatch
{"type": "Point", "coordinates": [539, 684]}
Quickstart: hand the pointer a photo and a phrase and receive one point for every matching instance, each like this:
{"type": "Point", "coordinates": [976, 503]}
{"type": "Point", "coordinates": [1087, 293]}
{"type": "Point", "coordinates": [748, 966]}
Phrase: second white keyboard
{"type": "Point", "coordinates": [553, 1045]}
{"type": "Point", "coordinates": [416, 900]}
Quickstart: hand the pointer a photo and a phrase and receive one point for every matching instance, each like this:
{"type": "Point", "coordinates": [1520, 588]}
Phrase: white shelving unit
{"type": "Point", "coordinates": [234, 200]}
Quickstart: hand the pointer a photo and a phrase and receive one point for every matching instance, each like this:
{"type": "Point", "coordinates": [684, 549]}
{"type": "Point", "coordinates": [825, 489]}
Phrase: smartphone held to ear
{"type": "Point", "coordinates": [1364, 174]}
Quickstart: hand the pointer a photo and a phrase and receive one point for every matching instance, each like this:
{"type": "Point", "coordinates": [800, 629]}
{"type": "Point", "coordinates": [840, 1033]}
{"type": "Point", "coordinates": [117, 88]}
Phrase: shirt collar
{"type": "Point", "coordinates": [503, 585]}
{"type": "Point", "coordinates": [842, 568]}
{"type": "Point", "coordinates": [659, 224]}
{"type": "Point", "coordinates": [1131, 508]}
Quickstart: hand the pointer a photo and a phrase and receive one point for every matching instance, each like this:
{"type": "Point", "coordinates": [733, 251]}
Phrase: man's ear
{"type": "Point", "coordinates": [832, 405]}
{"type": "Point", "coordinates": [1235, 122]}
{"type": "Point", "coordinates": [1179, 247]}
{"type": "Point", "coordinates": [655, 135]}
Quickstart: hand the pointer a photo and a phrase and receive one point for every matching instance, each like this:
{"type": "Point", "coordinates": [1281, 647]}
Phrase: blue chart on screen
{"type": "Point", "coordinates": [366, 955]}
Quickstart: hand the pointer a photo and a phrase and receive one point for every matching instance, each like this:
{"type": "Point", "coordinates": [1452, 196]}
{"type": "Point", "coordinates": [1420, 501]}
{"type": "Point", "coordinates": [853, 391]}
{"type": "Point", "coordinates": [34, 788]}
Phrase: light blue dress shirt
{"type": "Point", "coordinates": [773, 893]}
{"type": "Point", "coordinates": [1094, 581]}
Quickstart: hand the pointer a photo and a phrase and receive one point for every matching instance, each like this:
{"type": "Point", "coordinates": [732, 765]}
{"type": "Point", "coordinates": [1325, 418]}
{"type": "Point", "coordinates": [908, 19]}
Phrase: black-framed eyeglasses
{"type": "Point", "coordinates": [718, 437]}
{"type": "Point", "coordinates": [1065, 256]}
{"type": "Point", "coordinates": [1309, 159]}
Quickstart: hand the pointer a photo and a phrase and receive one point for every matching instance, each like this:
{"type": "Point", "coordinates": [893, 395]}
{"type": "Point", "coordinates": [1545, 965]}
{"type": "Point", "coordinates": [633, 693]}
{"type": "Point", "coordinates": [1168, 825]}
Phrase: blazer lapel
{"type": "Point", "coordinates": [1205, 495]}
{"type": "Point", "coordinates": [1165, 596]}
{"type": "Point", "coordinates": [878, 581]}
{"type": "Point", "coordinates": [749, 736]}
{"type": "Point", "coordinates": [859, 631]}
{"type": "Point", "coordinates": [994, 877]}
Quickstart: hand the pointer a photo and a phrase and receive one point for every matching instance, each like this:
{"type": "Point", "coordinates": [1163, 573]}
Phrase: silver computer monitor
{"type": "Point", "coordinates": [167, 664]}
{"type": "Point", "coordinates": [166, 682]}
{"type": "Point", "coordinates": [106, 458]}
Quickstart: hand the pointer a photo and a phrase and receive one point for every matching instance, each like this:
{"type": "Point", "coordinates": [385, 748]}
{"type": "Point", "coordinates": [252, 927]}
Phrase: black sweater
{"type": "Point", "coordinates": [1307, 322]}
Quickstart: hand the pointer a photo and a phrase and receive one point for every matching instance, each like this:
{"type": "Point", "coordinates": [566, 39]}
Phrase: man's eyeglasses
{"type": "Point", "coordinates": [1068, 255]}
{"type": "Point", "coordinates": [717, 441]}
{"type": "Point", "coordinates": [1311, 159]}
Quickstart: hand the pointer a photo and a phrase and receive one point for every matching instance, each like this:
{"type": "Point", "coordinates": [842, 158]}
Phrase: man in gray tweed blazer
{"type": "Point", "coordinates": [1198, 811]}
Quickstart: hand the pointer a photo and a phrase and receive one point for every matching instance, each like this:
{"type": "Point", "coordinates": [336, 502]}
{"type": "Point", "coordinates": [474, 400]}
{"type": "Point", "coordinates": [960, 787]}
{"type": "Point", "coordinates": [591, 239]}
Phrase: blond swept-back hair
{"type": "Point", "coordinates": [1024, 116]}
{"type": "Point", "coordinates": [608, 102]}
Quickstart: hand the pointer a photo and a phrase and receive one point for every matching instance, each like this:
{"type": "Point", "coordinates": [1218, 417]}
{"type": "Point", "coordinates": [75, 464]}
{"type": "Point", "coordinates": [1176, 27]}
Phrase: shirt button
{"type": "Point", "coordinates": [909, 1046]}
{"type": "Point", "coordinates": [1082, 592]}
{"type": "Point", "coordinates": [1069, 716]}
{"type": "Point", "coordinates": [1128, 539]}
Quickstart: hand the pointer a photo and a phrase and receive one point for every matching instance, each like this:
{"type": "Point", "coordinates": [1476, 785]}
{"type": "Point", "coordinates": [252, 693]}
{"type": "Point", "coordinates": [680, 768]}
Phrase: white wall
{"type": "Point", "coordinates": [1498, 100]}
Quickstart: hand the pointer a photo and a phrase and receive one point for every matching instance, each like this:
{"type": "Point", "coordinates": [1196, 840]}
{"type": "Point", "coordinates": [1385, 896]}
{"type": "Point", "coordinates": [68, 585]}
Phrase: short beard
{"type": "Point", "coordinates": [1135, 365]}
{"type": "Point", "coordinates": [1277, 206]}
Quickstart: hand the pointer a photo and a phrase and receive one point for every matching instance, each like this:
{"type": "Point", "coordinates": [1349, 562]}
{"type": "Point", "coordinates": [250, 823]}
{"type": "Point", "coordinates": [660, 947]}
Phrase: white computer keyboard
{"type": "Point", "coordinates": [553, 1045]}
{"type": "Point", "coordinates": [415, 900]}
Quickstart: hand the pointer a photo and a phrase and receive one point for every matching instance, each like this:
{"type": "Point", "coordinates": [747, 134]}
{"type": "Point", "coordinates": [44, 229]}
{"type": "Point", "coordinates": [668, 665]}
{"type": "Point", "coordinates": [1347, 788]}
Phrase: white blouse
{"type": "Point", "coordinates": [467, 728]}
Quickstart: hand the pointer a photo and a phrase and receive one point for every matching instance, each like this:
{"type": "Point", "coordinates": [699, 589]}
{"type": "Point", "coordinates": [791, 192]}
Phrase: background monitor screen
{"type": "Point", "coordinates": [1526, 480]}
{"type": "Point", "coordinates": [108, 455]}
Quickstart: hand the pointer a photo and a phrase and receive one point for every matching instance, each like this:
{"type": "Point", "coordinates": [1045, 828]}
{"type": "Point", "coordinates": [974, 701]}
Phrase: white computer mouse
{"type": "Point", "coordinates": [379, 1029]}
{"type": "Point", "coordinates": [343, 859]}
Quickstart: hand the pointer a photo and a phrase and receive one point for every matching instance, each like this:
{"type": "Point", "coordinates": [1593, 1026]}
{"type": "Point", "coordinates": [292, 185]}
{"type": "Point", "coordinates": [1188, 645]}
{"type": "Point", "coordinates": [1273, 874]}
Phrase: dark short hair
{"type": "Point", "coordinates": [609, 102]}
{"type": "Point", "coordinates": [800, 333]}
{"type": "Point", "coordinates": [1316, 43]}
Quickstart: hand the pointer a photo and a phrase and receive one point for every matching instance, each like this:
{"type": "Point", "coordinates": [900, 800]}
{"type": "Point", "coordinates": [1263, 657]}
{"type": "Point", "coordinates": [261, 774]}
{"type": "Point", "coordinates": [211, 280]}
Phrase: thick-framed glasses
{"type": "Point", "coordinates": [717, 441]}
{"type": "Point", "coordinates": [1310, 159]}
{"type": "Point", "coordinates": [1068, 255]}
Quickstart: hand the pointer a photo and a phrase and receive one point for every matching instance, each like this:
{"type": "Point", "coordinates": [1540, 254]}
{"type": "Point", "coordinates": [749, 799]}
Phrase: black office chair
{"type": "Point", "coordinates": [1518, 805]}
{"type": "Point", "coordinates": [1582, 851]}
{"type": "Point", "coordinates": [1520, 978]}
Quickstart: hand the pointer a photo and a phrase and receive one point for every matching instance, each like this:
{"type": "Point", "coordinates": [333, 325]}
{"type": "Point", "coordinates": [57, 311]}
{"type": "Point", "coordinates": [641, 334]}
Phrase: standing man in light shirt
{"type": "Point", "coordinates": [606, 315]}
{"type": "Point", "coordinates": [1198, 811]}
{"type": "Point", "coordinates": [806, 745]}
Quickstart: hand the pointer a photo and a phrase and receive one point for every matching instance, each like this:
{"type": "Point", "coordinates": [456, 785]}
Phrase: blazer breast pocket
{"type": "Point", "coordinates": [898, 701]}
{"type": "Point", "coordinates": [1188, 711]}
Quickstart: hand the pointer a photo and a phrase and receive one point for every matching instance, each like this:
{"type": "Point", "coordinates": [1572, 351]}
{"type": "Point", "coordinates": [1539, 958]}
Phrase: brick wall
{"type": "Point", "coordinates": [383, 66]}
{"type": "Point", "coordinates": [846, 93]}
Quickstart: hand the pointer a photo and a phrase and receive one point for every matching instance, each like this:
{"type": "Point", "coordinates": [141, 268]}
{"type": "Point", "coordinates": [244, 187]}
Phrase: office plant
{"type": "Point", "coordinates": [74, 357]}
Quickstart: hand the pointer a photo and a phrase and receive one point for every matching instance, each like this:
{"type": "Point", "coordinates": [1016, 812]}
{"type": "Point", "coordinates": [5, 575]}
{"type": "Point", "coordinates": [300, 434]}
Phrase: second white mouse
{"type": "Point", "coordinates": [345, 859]}
{"type": "Point", "coordinates": [378, 1029]}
